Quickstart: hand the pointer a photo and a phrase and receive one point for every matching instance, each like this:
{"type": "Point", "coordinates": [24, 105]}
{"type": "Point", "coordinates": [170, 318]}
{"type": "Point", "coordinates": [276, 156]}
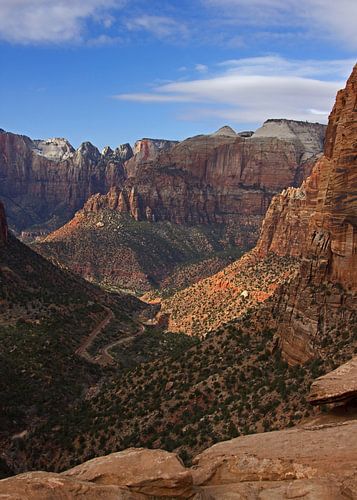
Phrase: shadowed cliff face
{"type": "Point", "coordinates": [318, 222]}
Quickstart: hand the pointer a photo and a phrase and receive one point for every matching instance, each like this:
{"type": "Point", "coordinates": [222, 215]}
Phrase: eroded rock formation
{"type": "Point", "coordinates": [221, 177]}
{"type": "Point", "coordinates": [337, 386]}
{"type": "Point", "coordinates": [318, 222]}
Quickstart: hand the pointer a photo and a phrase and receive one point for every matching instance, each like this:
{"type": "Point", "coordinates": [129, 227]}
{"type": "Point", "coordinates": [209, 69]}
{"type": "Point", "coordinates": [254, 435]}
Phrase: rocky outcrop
{"type": "Point", "coordinates": [317, 463]}
{"type": "Point", "coordinates": [151, 472]}
{"type": "Point", "coordinates": [3, 225]}
{"type": "Point", "coordinates": [51, 486]}
{"type": "Point", "coordinates": [318, 222]}
{"type": "Point", "coordinates": [337, 386]}
{"type": "Point", "coordinates": [45, 182]}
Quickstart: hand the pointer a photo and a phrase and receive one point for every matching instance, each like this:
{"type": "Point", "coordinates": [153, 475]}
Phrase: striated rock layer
{"type": "Point", "coordinates": [218, 178]}
{"type": "Point", "coordinates": [318, 222]}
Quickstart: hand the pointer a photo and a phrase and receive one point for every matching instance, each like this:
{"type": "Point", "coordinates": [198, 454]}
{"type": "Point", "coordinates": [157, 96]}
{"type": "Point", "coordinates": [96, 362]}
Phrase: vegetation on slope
{"type": "Point", "coordinates": [206, 305]}
{"type": "Point", "coordinates": [233, 382]}
{"type": "Point", "coordinates": [118, 252]}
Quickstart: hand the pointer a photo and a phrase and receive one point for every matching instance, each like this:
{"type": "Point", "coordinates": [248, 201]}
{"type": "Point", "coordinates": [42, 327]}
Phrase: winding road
{"type": "Point", "coordinates": [83, 348]}
{"type": "Point", "coordinates": [104, 358]}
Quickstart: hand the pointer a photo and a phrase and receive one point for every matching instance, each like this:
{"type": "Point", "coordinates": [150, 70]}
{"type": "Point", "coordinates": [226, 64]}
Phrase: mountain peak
{"type": "Point", "coordinates": [225, 130]}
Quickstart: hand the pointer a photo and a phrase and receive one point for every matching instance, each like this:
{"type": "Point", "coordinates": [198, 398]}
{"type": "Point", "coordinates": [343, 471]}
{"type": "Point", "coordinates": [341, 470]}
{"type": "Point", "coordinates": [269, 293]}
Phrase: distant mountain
{"type": "Point", "coordinates": [194, 200]}
{"type": "Point", "coordinates": [43, 182]}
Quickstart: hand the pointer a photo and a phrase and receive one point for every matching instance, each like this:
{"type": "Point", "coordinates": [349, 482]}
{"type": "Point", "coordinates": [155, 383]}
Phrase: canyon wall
{"type": "Point", "coordinates": [215, 178]}
{"type": "Point", "coordinates": [219, 178]}
{"type": "Point", "coordinates": [318, 222]}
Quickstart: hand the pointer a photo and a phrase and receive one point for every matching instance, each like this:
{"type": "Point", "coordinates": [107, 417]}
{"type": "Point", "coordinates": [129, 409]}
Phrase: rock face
{"type": "Point", "coordinates": [43, 180]}
{"type": "Point", "coordinates": [313, 463]}
{"type": "Point", "coordinates": [215, 178]}
{"type": "Point", "coordinates": [337, 386]}
{"type": "Point", "coordinates": [3, 225]}
{"type": "Point", "coordinates": [318, 222]}
{"type": "Point", "coordinates": [218, 178]}
{"type": "Point", "coordinates": [311, 135]}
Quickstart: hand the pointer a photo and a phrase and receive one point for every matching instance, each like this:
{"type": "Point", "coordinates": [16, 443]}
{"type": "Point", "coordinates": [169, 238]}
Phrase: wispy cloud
{"type": "Point", "coordinates": [252, 90]}
{"type": "Point", "coordinates": [159, 26]}
{"type": "Point", "coordinates": [321, 18]}
{"type": "Point", "coordinates": [52, 21]}
{"type": "Point", "coordinates": [201, 68]}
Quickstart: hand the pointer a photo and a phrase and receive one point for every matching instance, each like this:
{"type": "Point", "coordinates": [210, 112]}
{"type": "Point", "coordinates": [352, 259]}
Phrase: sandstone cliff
{"type": "Point", "coordinates": [44, 181]}
{"type": "Point", "coordinates": [219, 178]}
{"type": "Point", "coordinates": [318, 222]}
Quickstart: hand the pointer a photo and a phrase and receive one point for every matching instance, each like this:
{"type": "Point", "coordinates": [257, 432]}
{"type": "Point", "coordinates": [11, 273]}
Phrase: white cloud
{"type": "Point", "coordinates": [333, 18]}
{"type": "Point", "coordinates": [252, 90]}
{"type": "Point", "coordinates": [159, 26]}
{"type": "Point", "coordinates": [47, 21]}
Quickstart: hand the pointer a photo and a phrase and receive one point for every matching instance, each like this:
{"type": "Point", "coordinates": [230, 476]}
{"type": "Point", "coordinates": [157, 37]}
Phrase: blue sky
{"type": "Point", "coordinates": [113, 71]}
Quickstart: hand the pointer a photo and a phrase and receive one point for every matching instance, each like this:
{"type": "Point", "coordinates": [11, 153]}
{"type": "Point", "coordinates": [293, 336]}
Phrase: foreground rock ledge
{"type": "Point", "coordinates": [337, 386]}
{"type": "Point", "coordinates": [317, 463]}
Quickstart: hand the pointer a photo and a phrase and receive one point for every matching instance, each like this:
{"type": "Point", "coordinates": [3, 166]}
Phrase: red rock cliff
{"type": "Point", "coordinates": [208, 179]}
{"type": "Point", "coordinates": [41, 180]}
{"type": "Point", "coordinates": [318, 222]}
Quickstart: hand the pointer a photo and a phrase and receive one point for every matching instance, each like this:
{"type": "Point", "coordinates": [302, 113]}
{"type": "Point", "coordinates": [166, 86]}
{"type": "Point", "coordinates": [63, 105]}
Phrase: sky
{"type": "Point", "coordinates": [114, 71]}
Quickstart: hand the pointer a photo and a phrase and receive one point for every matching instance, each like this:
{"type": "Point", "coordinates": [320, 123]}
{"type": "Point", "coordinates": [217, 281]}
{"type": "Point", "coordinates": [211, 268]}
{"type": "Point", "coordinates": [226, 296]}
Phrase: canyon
{"type": "Point", "coordinates": [260, 400]}
{"type": "Point", "coordinates": [311, 231]}
{"type": "Point", "coordinates": [212, 191]}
